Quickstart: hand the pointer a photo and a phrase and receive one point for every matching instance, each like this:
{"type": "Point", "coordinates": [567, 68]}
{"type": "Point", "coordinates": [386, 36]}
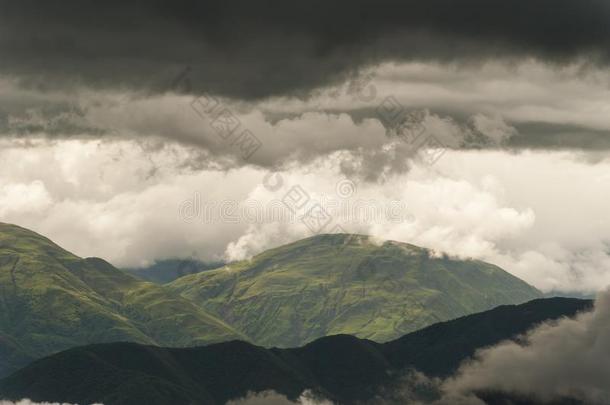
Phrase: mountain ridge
{"type": "Point", "coordinates": [342, 368]}
{"type": "Point", "coordinates": [345, 283]}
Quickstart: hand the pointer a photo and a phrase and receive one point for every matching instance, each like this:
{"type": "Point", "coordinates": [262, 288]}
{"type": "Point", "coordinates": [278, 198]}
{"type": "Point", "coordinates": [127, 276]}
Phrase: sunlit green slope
{"type": "Point", "coordinates": [331, 284]}
{"type": "Point", "coordinates": [51, 300]}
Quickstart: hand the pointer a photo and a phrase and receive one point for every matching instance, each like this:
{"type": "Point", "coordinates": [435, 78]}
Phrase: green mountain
{"type": "Point", "coordinates": [342, 368]}
{"type": "Point", "coordinates": [51, 300]}
{"type": "Point", "coordinates": [166, 271]}
{"type": "Point", "coordinates": [347, 284]}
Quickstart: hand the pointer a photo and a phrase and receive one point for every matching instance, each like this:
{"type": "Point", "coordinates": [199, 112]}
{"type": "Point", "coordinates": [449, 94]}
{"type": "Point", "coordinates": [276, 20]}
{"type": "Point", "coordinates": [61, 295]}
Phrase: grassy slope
{"type": "Point", "coordinates": [51, 300]}
{"type": "Point", "coordinates": [346, 284]}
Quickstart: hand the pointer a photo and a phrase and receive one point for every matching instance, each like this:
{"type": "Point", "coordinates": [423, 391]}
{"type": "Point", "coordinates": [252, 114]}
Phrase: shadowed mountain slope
{"type": "Point", "coordinates": [343, 368]}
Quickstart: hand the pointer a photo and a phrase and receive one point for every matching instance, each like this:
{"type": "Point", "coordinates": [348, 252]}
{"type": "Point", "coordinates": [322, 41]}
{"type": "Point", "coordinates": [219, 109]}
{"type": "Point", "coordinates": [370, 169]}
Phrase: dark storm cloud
{"type": "Point", "coordinates": [250, 49]}
{"type": "Point", "coordinates": [555, 136]}
{"type": "Point", "coordinates": [530, 135]}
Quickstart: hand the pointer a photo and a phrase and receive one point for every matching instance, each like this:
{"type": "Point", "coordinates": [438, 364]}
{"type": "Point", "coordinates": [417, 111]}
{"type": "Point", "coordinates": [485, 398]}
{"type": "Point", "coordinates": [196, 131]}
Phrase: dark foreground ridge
{"type": "Point", "coordinates": [342, 368]}
{"type": "Point", "coordinates": [52, 300]}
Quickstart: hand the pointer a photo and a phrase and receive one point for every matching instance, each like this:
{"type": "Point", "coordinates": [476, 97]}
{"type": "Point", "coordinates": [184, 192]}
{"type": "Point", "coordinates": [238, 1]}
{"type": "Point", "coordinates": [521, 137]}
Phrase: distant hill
{"type": "Point", "coordinates": [574, 294]}
{"type": "Point", "coordinates": [51, 300]}
{"type": "Point", "coordinates": [347, 284]}
{"type": "Point", "coordinates": [166, 271]}
{"type": "Point", "coordinates": [342, 368]}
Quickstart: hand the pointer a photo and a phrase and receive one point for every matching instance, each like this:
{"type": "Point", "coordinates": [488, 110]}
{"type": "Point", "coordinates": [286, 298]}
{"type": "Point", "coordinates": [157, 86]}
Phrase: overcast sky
{"type": "Point", "coordinates": [154, 130]}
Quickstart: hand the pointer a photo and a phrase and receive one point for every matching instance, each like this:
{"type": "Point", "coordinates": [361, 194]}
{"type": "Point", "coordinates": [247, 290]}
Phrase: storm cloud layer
{"type": "Point", "coordinates": [248, 49]}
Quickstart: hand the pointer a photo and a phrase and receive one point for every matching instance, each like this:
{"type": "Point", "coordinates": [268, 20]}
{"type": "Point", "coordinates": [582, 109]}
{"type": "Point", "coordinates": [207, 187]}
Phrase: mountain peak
{"type": "Point", "coordinates": [18, 240]}
{"type": "Point", "coordinates": [348, 284]}
{"type": "Point", "coordinates": [335, 245]}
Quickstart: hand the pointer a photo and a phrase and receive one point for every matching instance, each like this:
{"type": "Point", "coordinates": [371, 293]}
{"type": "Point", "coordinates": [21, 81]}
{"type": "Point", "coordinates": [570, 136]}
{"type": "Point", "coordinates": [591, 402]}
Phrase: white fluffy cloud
{"type": "Point", "coordinates": [24, 197]}
{"type": "Point", "coordinates": [523, 92]}
{"type": "Point", "coordinates": [540, 215]}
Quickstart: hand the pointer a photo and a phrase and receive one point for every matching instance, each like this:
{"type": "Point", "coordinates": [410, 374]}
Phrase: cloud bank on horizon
{"type": "Point", "coordinates": [530, 213]}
